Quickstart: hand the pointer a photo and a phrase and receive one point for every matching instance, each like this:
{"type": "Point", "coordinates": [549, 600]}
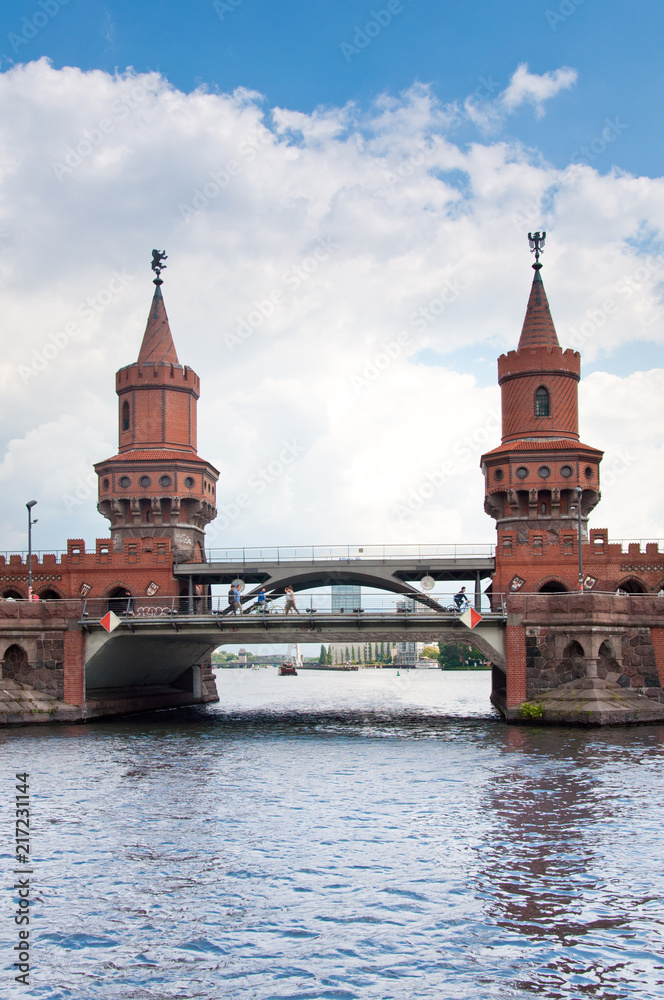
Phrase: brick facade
{"type": "Point", "coordinates": [515, 654]}
{"type": "Point", "coordinates": [157, 485]}
{"type": "Point", "coordinates": [533, 478]}
{"type": "Point", "coordinates": [74, 662]}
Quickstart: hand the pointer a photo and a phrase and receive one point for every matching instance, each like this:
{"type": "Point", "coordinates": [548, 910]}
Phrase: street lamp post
{"type": "Point", "coordinates": [579, 493]}
{"type": "Point", "coordinates": [30, 504]}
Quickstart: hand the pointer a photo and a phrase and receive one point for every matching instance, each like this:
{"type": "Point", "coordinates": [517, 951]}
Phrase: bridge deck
{"type": "Point", "coordinates": [386, 572]}
{"type": "Point", "coordinates": [318, 627]}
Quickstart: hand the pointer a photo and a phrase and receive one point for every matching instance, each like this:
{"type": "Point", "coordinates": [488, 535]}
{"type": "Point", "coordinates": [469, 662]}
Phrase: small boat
{"type": "Point", "coordinates": [287, 669]}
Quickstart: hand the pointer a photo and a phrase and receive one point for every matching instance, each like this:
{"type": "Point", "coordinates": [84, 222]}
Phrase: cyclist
{"type": "Point", "coordinates": [461, 600]}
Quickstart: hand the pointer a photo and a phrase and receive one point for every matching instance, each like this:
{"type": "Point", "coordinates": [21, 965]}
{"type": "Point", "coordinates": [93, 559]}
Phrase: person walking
{"type": "Point", "coordinates": [238, 600]}
{"type": "Point", "coordinates": [260, 600]}
{"type": "Point", "coordinates": [231, 599]}
{"type": "Point", "coordinates": [290, 601]}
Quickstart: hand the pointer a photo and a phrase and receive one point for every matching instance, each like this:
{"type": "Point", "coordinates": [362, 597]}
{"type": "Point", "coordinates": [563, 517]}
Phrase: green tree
{"type": "Point", "coordinates": [453, 655]}
{"type": "Point", "coordinates": [329, 654]}
{"type": "Point", "coordinates": [347, 654]}
{"type": "Point", "coordinates": [431, 652]}
{"type": "Point", "coordinates": [322, 657]}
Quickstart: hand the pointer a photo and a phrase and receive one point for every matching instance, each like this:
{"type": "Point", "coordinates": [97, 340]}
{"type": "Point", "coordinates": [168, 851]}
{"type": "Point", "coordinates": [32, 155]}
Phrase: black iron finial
{"type": "Point", "coordinates": [157, 265]}
{"type": "Point", "coordinates": [536, 243]}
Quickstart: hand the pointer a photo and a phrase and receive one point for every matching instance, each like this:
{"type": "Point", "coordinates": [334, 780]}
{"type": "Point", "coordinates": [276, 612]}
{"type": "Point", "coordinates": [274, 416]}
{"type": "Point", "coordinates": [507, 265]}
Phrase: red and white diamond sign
{"type": "Point", "coordinates": [110, 621]}
{"type": "Point", "coordinates": [471, 618]}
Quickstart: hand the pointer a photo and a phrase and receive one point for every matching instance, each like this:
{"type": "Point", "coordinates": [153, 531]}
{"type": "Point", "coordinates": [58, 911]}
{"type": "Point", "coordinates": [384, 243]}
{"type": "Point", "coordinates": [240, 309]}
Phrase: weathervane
{"type": "Point", "coordinates": [157, 265]}
{"type": "Point", "coordinates": [536, 243]}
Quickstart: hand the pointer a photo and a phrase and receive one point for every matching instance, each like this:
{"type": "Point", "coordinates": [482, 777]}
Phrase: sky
{"type": "Point", "coordinates": [344, 192]}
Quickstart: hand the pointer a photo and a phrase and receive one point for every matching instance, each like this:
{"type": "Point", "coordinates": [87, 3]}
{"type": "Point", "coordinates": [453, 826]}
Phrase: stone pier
{"type": "Point", "coordinates": [583, 658]}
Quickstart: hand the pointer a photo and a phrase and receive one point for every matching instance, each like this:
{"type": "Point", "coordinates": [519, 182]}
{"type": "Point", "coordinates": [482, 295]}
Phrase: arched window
{"type": "Point", "coordinates": [125, 416]}
{"type": "Point", "coordinates": [542, 402]}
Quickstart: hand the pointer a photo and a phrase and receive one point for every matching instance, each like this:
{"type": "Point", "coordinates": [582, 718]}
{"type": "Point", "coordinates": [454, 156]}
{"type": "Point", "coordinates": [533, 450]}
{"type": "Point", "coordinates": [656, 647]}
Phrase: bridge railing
{"type": "Point", "coordinates": [178, 608]}
{"type": "Point", "coordinates": [349, 553]}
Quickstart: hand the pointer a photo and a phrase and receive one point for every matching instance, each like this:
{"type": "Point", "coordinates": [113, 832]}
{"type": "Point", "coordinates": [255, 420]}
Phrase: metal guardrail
{"type": "Point", "coordinates": [348, 553]}
{"type": "Point", "coordinates": [182, 608]}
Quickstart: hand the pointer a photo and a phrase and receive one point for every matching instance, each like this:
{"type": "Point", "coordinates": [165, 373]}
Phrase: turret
{"type": "Point", "coordinates": [531, 479]}
{"type": "Point", "coordinates": [157, 485]}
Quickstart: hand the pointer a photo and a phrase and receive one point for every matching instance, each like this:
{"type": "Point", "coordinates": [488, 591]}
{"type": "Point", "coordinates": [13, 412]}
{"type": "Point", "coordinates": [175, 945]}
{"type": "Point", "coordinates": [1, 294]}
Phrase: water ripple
{"type": "Point", "coordinates": [368, 840]}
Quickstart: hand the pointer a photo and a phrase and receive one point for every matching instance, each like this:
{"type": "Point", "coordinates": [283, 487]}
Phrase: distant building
{"type": "Point", "coordinates": [346, 597]}
{"type": "Point", "coordinates": [408, 653]}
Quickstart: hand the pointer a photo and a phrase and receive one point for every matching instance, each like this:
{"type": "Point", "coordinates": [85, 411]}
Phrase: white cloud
{"type": "Point", "coordinates": [533, 88]}
{"type": "Point", "coordinates": [330, 235]}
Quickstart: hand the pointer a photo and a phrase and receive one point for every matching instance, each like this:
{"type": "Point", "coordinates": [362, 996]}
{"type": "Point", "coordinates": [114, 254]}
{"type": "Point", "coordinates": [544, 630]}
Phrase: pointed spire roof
{"type": "Point", "coordinates": [157, 346]}
{"type": "Point", "coordinates": [538, 329]}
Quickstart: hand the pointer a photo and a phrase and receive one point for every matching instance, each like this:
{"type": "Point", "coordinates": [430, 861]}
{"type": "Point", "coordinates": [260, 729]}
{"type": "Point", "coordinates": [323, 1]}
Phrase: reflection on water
{"type": "Point", "coordinates": [344, 836]}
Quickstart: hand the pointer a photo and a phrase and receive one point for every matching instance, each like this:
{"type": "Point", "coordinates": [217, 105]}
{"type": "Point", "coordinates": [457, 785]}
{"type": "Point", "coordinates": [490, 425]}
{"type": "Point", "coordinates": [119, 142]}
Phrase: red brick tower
{"type": "Point", "coordinates": [531, 478]}
{"type": "Point", "coordinates": [157, 485]}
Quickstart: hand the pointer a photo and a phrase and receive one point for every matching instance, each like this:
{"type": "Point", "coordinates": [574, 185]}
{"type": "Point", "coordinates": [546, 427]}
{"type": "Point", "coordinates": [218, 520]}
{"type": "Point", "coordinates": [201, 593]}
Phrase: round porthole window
{"type": "Point", "coordinates": [544, 472]}
{"type": "Point", "coordinates": [144, 481]}
{"type": "Point", "coordinates": [105, 484]}
{"type": "Point", "coordinates": [522, 472]}
{"type": "Point", "coordinates": [125, 481]}
{"type": "Point", "coordinates": [588, 472]}
{"type": "Point", "coordinates": [498, 475]}
{"type": "Point", "coordinates": [566, 471]}
{"type": "Point", "coordinates": [189, 482]}
{"type": "Point", "coordinates": [165, 481]}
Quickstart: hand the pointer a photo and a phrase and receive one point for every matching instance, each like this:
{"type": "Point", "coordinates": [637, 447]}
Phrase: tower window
{"type": "Point", "coordinates": [542, 402]}
{"type": "Point", "coordinates": [125, 416]}
{"type": "Point", "coordinates": [522, 472]}
{"type": "Point", "coordinates": [566, 471]}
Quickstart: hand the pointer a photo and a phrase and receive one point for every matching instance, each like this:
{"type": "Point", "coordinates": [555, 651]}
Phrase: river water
{"type": "Point", "coordinates": [340, 835]}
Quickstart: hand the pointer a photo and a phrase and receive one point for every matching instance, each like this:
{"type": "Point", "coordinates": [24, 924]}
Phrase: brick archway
{"type": "Point", "coordinates": [554, 585]}
{"type": "Point", "coordinates": [632, 585]}
{"type": "Point", "coordinates": [14, 661]}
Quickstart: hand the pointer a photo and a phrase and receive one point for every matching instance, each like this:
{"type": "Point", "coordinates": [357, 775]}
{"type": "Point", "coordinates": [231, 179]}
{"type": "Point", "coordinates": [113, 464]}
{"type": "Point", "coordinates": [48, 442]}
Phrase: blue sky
{"type": "Point", "coordinates": [409, 145]}
{"type": "Point", "coordinates": [292, 54]}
